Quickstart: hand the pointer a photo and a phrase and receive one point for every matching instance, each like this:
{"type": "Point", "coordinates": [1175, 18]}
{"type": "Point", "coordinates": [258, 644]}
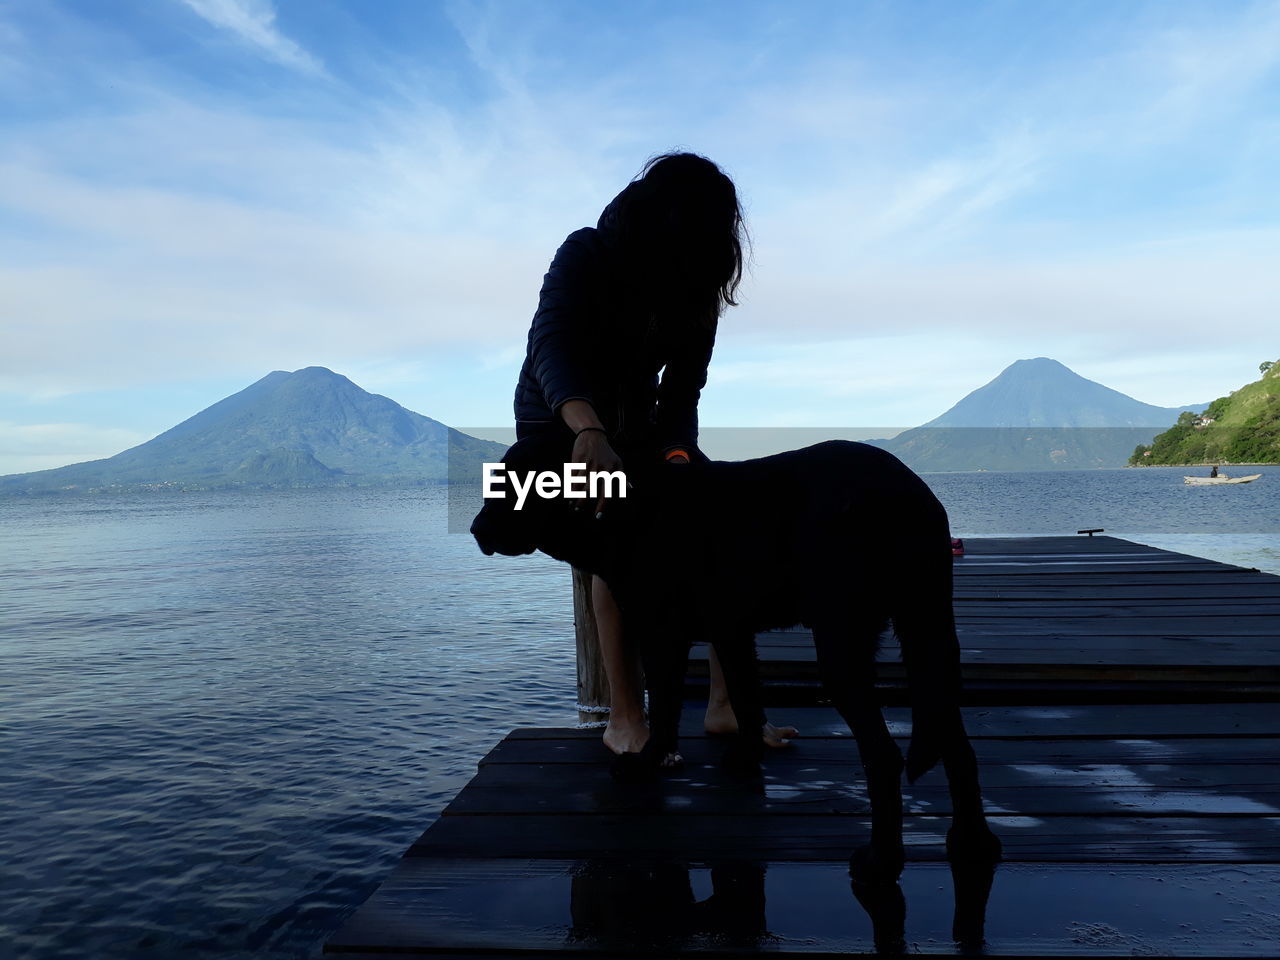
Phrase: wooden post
{"type": "Point", "coordinates": [593, 685]}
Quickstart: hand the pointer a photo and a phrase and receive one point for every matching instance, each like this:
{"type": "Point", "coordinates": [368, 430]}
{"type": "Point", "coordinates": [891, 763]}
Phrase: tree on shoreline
{"type": "Point", "coordinates": [1243, 427]}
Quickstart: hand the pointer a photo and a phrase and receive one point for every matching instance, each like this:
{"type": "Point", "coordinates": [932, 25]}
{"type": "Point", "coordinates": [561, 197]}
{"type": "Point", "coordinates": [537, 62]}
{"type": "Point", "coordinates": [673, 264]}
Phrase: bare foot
{"type": "Point", "coordinates": [777, 737]}
{"type": "Point", "coordinates": [624, 735]}
{"type": "Point", "coordinates": [720, 720]}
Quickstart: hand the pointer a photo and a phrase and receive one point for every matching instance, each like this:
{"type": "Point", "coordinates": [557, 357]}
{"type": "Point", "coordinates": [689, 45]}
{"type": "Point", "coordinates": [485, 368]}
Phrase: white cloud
{"type": "Point", "coordinates": [1170, 299]}
{"type": "Point", "coordinates": [211, 285]}
{"type": "Point", "coordinates": [253, 23]}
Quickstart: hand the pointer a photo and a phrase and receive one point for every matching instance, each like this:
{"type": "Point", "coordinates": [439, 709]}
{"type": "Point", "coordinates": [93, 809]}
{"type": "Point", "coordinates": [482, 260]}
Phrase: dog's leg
{"type": "Point", "coordinates": [846, 660]}
{"type": "Point", "coordinates": [932, 654]}
{"type": "Point", "coordinates": [887, 909]}
{"type": "Point", "coordinates": [665, 658]}
{"type": "Point", "coordinates": [737, 655]}
{"type": "Point", "coordinates": [968, 817]}
{"type": "Point", "coordinates": [926, 630]}
{"type": "Point", "coordinates": [972, 849]}
{"type": "Point", "coordinates": [666, 661]}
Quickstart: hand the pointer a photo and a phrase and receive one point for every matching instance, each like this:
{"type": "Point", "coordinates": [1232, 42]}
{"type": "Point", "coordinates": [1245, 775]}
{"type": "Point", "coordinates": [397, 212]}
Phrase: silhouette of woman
{"type": "Point", "coordinates": [617, 358]}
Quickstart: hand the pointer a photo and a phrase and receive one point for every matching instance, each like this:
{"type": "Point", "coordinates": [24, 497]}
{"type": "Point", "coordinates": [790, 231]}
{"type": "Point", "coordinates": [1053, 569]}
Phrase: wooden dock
{"type": "Point", "coordinates": [1081, 619]}
{"type": "Point", "coordinates": [1122, 705]}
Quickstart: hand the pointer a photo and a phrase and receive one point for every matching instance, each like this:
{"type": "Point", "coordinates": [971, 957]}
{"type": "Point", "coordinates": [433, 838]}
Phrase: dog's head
{"type": "Point", "coordinates": [565, 529]}
{"type": "Point", "coordinates": [641, 540]}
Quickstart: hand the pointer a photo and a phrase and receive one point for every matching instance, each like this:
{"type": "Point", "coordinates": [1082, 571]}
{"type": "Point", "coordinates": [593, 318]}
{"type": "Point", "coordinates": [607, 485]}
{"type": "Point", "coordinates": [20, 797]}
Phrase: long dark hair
{"type": "Point", "coordinates": [680, 233]}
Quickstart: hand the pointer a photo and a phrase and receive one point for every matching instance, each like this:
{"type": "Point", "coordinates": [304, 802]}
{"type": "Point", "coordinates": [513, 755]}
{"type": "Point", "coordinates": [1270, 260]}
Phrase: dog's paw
{"type": "Point", "coordinates": [973, 843]}
{"type": "Point", "coordinates": [887, 909]}
{"type": "Point", "coordinates": [872, 865]}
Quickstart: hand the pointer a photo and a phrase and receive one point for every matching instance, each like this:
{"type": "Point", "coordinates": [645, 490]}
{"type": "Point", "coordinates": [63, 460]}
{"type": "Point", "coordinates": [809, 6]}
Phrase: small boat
{"type": "Point", "coordinates": [1219, 479]}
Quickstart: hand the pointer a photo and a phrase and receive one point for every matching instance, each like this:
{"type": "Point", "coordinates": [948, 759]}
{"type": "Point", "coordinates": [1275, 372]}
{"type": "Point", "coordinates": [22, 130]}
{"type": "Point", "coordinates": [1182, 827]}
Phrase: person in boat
{"type": "Point", "coordinates": [1214, 471]}
{"type": "Point", "coordinates": [616, 360]}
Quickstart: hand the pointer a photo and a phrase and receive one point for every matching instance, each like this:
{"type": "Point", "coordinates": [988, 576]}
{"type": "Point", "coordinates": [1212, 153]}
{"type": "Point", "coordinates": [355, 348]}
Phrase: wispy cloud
{"type": "Point", "coordinates": [1113, 199]}
{"type": "Point", "coordinates": [1210, 66]}
{"type": "Point", "coordinates": [253, 23]}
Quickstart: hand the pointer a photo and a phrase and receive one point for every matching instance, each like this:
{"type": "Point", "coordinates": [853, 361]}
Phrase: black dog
{"type": "Point", "coordinates": [841, 537]}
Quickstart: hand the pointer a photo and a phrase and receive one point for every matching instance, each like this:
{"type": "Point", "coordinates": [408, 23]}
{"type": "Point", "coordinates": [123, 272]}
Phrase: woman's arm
{"type": "Point", "coordinates": [579, 415]}
{"type": "Point", "coordinates": [682, 381]}
{"type": "Point", "coordinates": [559, 350]}
{"type": "Point", "coordinates": [559, 337]}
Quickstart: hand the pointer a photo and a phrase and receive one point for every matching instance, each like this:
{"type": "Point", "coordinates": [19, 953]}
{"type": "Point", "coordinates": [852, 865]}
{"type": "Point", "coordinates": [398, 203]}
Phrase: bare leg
{"type": "Point", "coordinates": [626, 731]}
{"type": "Point", "coordinates": [720, 718]}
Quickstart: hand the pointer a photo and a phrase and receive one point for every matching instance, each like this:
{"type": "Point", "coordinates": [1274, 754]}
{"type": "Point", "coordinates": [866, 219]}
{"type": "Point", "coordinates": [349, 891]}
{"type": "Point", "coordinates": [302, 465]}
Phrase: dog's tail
{"type": "Point", "coordinates": [925, 625]}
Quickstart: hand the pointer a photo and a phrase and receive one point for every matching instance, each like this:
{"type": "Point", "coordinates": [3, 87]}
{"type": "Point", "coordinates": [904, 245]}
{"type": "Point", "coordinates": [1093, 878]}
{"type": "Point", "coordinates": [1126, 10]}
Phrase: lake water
{"type": "Point", "coordinates": [226, 715]}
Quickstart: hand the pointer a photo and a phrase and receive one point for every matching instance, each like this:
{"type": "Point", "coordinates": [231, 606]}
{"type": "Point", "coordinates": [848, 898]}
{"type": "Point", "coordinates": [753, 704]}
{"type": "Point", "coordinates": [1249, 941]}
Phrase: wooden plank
{"type": "Point", "coordinates": [1206, 572]}
{"type": "Point", "coordinates": [1122, 568]}
{"type": "Point", "coordinates": [1082, 555]}
{"type": "Point", "coordinates": [1086, 587]}
{"type": "Point", "coordinates": [1113, 564]}
{"type": "Point", "coordinates": [505, 908]}
{"type": "Point", "coordinates": [982, 658]}
{"type": "Point", "coordinates": [1008, 634]}
{"type": "Point", "coordinates": [988, 643]}
{"type": "Point", "coordinates": [1116, 592]}
{"type": "Point", "coordinates": [1149, 645]}
{"type": "Point", "coordinates": [1040, 790]}
{"type": "Point", "coordinates": [1055, 545]}
{"type": "Point", "coordinates": [1220, 654]}
{"type": "Point", "coordinates": [819, 751]}
{"type": "Point", "coordinates": [1078, 839]}
{"type": "Point", "coordinates": [1192, 627]}
{"type": "Point", "coordinates": [1052, 547]}
{"type": "Point", "coordinates": [1044, 723]}
{"type": "Point", "coordinates": [1039, 607]}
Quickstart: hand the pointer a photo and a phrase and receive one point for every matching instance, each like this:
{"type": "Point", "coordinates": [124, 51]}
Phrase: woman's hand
{"type": "Point", "coordinates": [592, 448]}
{"type": "Point", "coordinates": [592, 443]}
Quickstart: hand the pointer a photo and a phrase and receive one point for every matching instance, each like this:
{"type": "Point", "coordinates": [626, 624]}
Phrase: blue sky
{"type": "Point", "coordinates": [196, 192]}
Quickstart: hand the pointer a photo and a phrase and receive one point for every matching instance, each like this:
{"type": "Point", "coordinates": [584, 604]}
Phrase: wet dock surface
{"type": "Point", "coordinates": [1143, 828]}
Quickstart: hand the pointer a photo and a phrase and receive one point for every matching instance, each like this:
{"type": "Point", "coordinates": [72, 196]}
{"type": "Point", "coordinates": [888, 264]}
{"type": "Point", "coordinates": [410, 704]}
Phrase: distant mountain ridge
{"type": "Point", "coordinates": [315, 428]}
{"type": "Point", "coordinates": [1037, 414]}
{"type": "Point", "coordinates": [311, 427]}
{"type": "Point", "coordinates": [1045, 393]}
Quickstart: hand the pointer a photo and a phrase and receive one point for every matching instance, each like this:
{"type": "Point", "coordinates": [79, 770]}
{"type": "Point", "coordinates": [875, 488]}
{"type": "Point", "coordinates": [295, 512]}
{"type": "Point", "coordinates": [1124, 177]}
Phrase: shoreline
{"type": "Point", "coordinates": [1185, 466]}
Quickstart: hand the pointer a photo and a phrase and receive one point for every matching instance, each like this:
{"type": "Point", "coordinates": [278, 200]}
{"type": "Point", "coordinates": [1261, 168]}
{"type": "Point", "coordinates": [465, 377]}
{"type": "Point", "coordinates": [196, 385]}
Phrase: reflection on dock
{"type": "Point", "coordinates": [1143, 827]}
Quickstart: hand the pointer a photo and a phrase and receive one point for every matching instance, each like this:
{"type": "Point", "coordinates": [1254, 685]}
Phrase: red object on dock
{"type": "Point", "coordinates": [957, 547]}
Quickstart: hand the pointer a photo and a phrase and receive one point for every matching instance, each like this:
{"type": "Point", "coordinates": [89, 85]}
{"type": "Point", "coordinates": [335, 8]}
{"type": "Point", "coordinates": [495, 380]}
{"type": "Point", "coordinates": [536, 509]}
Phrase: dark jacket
{"type": "Point", "coordinates": [592, 341]}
